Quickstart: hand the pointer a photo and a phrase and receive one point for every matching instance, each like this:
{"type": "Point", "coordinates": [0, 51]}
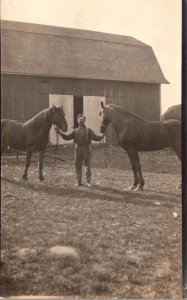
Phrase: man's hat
{"type": "Point", "coordinates": [81, 116]}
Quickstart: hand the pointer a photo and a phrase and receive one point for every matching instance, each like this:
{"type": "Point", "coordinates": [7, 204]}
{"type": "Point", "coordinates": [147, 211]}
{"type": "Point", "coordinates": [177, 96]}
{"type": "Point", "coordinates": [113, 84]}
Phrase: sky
{"type": "Point", "coordinates": [157, 23]}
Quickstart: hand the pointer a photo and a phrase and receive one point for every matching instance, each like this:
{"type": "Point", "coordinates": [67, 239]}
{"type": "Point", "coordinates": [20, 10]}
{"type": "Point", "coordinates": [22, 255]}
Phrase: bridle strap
{"type": "Point", "coordinates": [105, 146]}
{"type": "Point", "coordinates": [109, 116]}
{"type": "Point", "coordinates": [56, 145]}
{"type": "Point", "coordinates": [106, 152]}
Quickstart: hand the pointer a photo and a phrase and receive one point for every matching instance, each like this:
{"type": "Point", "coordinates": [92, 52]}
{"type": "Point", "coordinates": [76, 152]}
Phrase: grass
{"type": "Point", "coordinates": [128, 244]}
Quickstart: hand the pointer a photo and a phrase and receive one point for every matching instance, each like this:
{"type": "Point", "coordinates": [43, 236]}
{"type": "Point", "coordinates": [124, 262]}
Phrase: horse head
{"type": "Point", "coordinates": [59, 118]}
{"type": "Point", "coordinates": [104, 118]}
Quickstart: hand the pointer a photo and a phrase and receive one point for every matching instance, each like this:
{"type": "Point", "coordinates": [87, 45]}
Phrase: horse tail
{"type": "Point", "coordinates": [173, 129]}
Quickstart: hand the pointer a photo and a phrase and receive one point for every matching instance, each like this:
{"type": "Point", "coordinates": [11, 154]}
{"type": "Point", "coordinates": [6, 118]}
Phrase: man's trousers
{"type": "Point", "coordinates": [83, 154]}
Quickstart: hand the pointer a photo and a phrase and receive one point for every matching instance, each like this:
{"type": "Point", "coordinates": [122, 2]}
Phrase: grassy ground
{"type": "Point", "coordinates": [102, 241]}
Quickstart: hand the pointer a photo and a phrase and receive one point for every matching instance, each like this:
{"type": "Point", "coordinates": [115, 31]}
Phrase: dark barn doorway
{"type": "Point", "coordinates": [78, 108]}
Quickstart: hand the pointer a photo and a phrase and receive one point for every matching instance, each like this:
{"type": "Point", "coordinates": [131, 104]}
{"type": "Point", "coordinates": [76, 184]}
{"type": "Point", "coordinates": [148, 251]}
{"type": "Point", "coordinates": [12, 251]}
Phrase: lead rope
{"type": "Point", "coordinates": [104, 146]}
{"type": "Point", "coordinates": [56, 146]}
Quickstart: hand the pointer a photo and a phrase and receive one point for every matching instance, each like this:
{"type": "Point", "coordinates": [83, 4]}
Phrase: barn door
{"type": "Point", "coordinates": [67, 102]}
{"type": "Point", "coordinates": [91, 109]}
{"type": "Point", "coordinates": [78, 109]}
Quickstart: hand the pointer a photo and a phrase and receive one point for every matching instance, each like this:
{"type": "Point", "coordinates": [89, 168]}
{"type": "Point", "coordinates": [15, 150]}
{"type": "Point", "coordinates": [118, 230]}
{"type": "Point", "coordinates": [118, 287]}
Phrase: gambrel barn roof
{"type": "Point", "coordinates": [32, 49]}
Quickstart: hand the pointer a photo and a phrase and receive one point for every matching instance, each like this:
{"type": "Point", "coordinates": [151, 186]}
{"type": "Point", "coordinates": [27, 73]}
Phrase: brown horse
{"type": "Point", "coordinates": [135, 134]}
{"type": "Point", "coordinates": [173, 112]}
{"type": "Point", "coordinates": [32, 135]}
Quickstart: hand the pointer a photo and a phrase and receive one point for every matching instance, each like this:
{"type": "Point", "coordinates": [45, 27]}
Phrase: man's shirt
{"type": "Point", "coordinates": [82, 136]}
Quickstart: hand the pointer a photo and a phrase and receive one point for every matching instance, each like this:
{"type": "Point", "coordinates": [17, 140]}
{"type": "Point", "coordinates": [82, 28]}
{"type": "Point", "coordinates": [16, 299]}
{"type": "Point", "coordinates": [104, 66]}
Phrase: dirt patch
{"type": "Point", "coordinates": [108, 242]}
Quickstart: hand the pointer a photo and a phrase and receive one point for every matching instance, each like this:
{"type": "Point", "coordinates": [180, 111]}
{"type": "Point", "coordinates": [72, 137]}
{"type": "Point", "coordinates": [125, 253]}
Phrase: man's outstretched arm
{"type": "Point", "coordinates": [66, 137]}
{"type": "Point", "coordinates": [95, 137]}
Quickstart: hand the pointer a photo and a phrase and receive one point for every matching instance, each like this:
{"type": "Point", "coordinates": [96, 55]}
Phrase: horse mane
{"type": "Point", "coordinates": [37, 119]}
{"type": "Point", "coordinates": [124, 111]}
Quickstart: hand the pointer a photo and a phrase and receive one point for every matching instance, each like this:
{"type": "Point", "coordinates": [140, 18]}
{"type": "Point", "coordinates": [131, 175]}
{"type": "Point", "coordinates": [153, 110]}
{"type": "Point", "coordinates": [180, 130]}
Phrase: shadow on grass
{"type": "Point", "coordinates": [101, 193]}
{"type": "Point", "coordinates": [157, 162]}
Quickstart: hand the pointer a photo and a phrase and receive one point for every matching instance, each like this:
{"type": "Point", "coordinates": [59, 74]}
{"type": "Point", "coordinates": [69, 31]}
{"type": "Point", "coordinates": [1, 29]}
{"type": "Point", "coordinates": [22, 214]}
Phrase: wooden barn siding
{"type": "Point", "coordinates": [21, 98]}
{"type": "Point", "coordinates": [143, 101]}
{"type": "Point", "coordinates": [24, 96]}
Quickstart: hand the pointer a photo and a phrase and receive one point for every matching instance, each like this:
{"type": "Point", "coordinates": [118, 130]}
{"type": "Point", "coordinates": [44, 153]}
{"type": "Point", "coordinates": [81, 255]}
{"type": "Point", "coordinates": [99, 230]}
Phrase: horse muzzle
{"type": "Point", "coordinates": [64, 127]}
{"type": "Point", "coordinates": [102, 129]}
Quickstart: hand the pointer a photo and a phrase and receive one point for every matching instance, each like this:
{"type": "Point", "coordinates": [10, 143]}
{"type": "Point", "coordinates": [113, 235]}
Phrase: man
{"type": "Point", "coordinates": [82, 137]}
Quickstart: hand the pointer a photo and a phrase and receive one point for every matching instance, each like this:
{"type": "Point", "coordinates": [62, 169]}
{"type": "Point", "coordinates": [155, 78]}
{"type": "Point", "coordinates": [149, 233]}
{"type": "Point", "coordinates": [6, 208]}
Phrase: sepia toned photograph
{"type": "Point", "coordinates": [91, 152]}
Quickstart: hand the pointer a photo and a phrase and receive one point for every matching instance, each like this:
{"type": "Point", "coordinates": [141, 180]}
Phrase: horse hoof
{"type": "Point", "coordinates": [41, 178]}
{"type": "Point", "coordinates": [25, 177]}
{"type": "Point", "coordinates": [132, 187]}
{"type": "Point", "coordinates": [139, 188]}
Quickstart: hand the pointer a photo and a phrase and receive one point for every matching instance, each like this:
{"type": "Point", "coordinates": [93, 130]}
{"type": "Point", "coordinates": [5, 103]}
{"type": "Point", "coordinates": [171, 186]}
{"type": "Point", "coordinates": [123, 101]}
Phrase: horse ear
{"type": "Point", "coordinates": [102, 104]}
{"type": "Point", "coordinates": [54, 106]}
{"type": "Point", "coordinates": [62, 107]}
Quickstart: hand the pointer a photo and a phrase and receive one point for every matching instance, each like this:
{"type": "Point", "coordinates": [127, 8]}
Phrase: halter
{"type": "Point", "coordinates": [57, 144]}
{"type": "Point", "coordinates": [109, 121]}
{"type": "Point", "coordinates": [106, 152]}
{"type": "Point", "coordinates": [105, 146]}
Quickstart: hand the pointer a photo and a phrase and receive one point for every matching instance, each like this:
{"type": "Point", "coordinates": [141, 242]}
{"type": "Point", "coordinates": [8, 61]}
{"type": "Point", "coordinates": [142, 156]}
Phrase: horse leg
{"type": "Point", "coordinates": [4, 145]}
{"type": "Point", "coordinates": [174, 135]}
{"type": "Point", "coordinates": [177, 149]}
{"type": "Point", "coordinates": [136, 167]}
{"type": "Point", "coordinates": [27, 164]}
{"type": "Point", "coordinates": [3, 148]}
{"type": "Point", "coordinates": [41, 157]}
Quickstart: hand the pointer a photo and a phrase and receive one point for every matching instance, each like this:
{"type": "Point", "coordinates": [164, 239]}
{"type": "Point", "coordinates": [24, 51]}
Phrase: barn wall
{"type": "Point", "coordinates": [140, 99]}
{"type": "Point", "coordinates": [22, 97]}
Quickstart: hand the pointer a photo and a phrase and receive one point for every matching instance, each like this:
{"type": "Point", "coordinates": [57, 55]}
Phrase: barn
{"type": "Point", "coordinates": [43, 65]}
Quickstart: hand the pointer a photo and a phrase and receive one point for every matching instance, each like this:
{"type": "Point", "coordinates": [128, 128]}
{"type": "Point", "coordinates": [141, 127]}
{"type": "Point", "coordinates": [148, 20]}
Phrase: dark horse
{"type": "Point", "coordinates": [135, 134]}
{"type": "Point", "coordinates": [32, 135]}
{"type": "Point", "coordinates": [173, 112]}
